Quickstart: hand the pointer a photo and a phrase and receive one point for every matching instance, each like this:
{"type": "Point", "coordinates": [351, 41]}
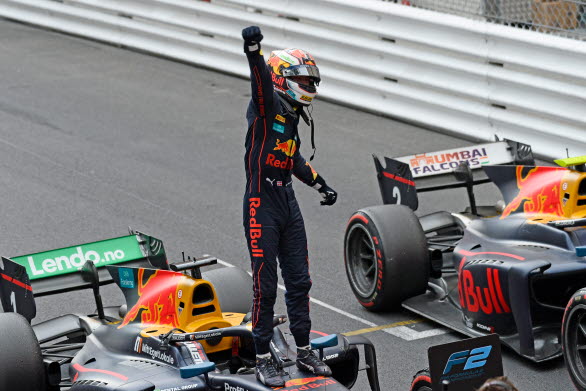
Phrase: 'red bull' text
{"type": "Point", "coordinates": [486, 299]}
{"type": "Point", "coordinates": [278, 80]}
{"type": "Point", "coordinates": [255, 228]}
{"type": "Point", "coordinates": [286, 164]}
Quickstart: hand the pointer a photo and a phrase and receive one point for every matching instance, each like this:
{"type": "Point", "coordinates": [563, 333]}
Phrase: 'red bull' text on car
{"type": "Point", "coordinates": [507, 269]}
{"type": "Point", "coordinates": [179, 330]}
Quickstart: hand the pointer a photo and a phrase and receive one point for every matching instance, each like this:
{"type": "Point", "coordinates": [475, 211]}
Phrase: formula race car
{"type": "Point", "coordinates": [179, 330]}
{"type": "Point", "coordinates": [507, 269]}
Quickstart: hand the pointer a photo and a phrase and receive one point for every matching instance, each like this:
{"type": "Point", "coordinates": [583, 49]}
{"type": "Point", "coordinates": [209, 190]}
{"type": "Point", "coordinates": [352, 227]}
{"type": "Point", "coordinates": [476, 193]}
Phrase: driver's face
{"type": "Point", "coordinates": [306, 80]}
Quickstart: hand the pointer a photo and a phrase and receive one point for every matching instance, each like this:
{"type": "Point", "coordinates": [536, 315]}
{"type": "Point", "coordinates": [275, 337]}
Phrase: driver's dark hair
{"type": "Point", "coordinates": [500, 383]}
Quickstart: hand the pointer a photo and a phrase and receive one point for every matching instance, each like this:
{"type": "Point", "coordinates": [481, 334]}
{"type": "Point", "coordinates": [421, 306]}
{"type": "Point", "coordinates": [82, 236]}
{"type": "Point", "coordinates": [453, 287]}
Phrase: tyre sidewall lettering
{"type": "Point", "coordinates": [577, 302]}
{"type": "Point", "coordinates": [400, 249]}
{"type": "Point", "coordinates": [380, 257]}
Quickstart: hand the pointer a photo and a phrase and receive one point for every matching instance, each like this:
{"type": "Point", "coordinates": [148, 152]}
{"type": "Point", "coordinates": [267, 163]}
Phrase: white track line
{"type": "Point", "coordinates": [221, 262]}
{"type": "Point", "coordinates": [403, 332]}
{"type": "Point", "coordinates": [318, 302]}
{"type": "Point", "coordinates": [408, 334]}
{"type": "Point", "coordinates": [339, 311]}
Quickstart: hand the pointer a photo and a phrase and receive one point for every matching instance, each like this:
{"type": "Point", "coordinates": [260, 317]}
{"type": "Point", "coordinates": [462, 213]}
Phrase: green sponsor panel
{"type": "Point", "coordinates": [70, 259]}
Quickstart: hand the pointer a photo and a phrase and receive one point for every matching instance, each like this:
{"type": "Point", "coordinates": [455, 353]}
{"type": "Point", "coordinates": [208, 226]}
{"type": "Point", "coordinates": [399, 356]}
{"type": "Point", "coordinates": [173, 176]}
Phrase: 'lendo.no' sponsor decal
{"type": "Point", "coordinates": [70, 259]}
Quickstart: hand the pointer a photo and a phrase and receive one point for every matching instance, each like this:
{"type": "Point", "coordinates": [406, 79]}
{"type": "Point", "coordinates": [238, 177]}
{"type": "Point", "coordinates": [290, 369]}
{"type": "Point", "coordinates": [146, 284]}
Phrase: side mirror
{"type": "Point", "coordinates": [197, 369]}
{"type": "Point", "coordinates": [89, 273]}
{"type": "Point", "coordinates": [463, 172]}
{"type": "Point", "coordinates": [324, 342]}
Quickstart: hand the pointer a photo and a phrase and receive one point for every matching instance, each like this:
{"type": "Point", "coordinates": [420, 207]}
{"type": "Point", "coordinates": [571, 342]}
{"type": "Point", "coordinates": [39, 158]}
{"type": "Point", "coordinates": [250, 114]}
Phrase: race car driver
{"type": "Point", "coordinates": [281, 89]}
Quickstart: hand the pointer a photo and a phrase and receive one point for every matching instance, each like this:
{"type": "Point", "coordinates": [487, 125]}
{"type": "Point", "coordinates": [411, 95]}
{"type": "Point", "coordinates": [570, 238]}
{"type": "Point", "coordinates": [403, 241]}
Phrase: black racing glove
{"type": "Point", "coordinates": [252, 37]}
{"type": "Point", "coordinates": [329, 195]}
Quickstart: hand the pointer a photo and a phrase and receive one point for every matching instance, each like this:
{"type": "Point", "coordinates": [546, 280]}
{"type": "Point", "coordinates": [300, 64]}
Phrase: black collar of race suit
{"type": "Point", "coordinates": [307, 118]}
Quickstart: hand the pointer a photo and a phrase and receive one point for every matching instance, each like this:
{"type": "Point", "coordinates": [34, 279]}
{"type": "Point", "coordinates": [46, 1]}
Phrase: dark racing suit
{"type": "Point", "coordinates": [272, 218]}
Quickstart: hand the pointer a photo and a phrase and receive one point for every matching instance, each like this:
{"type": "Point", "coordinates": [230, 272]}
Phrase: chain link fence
{"type": "Point", "coordinates": [566, 18]}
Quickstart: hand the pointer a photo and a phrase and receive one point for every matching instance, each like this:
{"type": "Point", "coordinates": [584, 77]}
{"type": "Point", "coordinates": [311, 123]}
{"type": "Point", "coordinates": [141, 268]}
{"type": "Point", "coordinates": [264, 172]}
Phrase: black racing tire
{"type": "Point", "coordinates": [20, 355]}
{"type": "Point", "coordinates": [386, 256]}
{"type": "Point", "coordinates": [574, 338]}
{"type": "Point", "coordinates": [233, 287]}
{"type": "Point", "coordinates": [421, 381]}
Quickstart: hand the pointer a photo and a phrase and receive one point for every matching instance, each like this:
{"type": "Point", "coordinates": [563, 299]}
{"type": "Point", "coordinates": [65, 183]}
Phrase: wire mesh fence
{"type": "Point", "coordinates": [566, 18]}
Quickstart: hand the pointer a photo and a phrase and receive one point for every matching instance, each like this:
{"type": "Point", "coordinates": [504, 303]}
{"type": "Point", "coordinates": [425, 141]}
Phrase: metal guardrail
{"type": "Point", "coordinates": [458, 75]}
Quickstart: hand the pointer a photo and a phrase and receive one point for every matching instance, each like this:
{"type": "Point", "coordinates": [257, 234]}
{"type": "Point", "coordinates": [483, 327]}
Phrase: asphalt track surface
{"type": "Point", "coordinates": [95, 138]}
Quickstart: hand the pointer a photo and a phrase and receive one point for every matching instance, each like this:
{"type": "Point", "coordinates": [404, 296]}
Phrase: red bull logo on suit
{"type": "Point", "coordinates": [288, 147]}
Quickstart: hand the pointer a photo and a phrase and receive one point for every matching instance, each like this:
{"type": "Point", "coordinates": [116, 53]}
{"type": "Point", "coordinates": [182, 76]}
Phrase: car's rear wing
{"type": "Point", "coordinates": [402, 177]}
{"type": "Point", "coordinates": [56, 271]}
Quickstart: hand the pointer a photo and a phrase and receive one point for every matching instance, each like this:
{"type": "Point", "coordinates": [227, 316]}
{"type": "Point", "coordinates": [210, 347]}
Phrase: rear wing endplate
{"type": "Point", "coordinates": [57, 270]}
{"type": "Point", "coordinates": [402, 177]}
{"type": "Point", "coordinates": [16, 293]}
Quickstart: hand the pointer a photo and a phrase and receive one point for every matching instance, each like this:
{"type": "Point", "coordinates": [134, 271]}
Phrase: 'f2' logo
{"type": "Point", "coordinates": [476, 358]}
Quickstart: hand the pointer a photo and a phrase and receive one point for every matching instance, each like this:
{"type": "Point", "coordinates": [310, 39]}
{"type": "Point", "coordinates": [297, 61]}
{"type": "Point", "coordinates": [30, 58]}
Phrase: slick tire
{"type": "Point", "coordinates": [573, 326]}
{"type": "Point", "coordinates": [20, 355]}
{"type": "Point", "coordinates": [233, 287]}
{"type": "Point", "coordinates": [386, 256]}
{"type": "Point", "coordinates": [421, 381]}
